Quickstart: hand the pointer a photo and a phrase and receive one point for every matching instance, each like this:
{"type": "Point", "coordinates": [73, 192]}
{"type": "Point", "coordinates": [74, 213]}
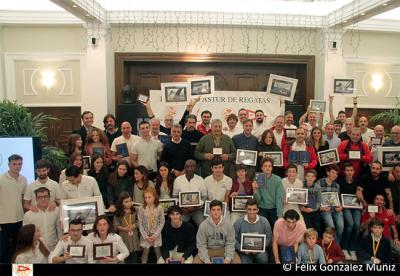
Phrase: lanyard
{"type": "Point", "coordinates": [313, 257]}
{"type": "Point", "coordinates": [326, 250]}
{"type": "Point", "coordinates": [129, 220]}
{"type": "Point", "coordinates": [152, 216]}
{"type": "Point", "coordinates": [375, 249]}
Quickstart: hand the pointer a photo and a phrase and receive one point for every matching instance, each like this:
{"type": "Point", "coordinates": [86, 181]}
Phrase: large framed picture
{"type": "Point", "coordinates": [250, 242]}
{"type": "Point", "coordinates": [176, 93]}
{"type": "Point", "coordinates": [239, 203]}
{"type": "Point", "coordinates": [318, 106]}
{"type": "Point", "coordinates": [201, 86]}
{"type": "Point", "coordinates": [207, 208]}
{"type": "Point", "coordinates": [350, 201]}
{"type": "Point", "coordinates": [277, 156]}
{"type": "Point", "coordinates": [246, 157]}
{"type": "Point", "coordinates": [102, 250]}
{"type": "Point", "coordinates": [166, 203]}
{"type": "Point", "coordinates": [375, 141]}
{"type": "Point", "coordinates": [282, 86]}
{"type": "Point", "coordinates": [343, 86]}
{"type": "Point", "coordinates": [189, 199]}
{"type": "Point", "coordinates": [76, 251]}
{"type": "Point", "coordinates": [86, 208]}
{"type": "Point", "coordinates": [327, 157]}
{"type": "Point", "coordinates": [86, 162]}
{"type": "Point", "coordinates": [290, 133]}
{"type": "Point", "coordinates": [389, 157]}
{"type": "Point", "coordinates": [330, 199]}
{"type": "Point", "coordinates": [297, 196]}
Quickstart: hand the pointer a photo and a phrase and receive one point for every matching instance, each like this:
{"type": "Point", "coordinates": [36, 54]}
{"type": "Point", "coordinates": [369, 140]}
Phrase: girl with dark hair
{"type": "Point", "coordinates": [76, 160]}
{"type": "Point", "coordinates": [319, 144]}
{"type": "Point", "coordinates": [268, 144]}
{"type": "Point", "coordinates": [100, 173]}
{"type": "Point", "coordinates": [119, 181]}
{"type": "Point", "coordinates": [74, 144]}
{"type": "Point", "coordinates": [30, 249]}
{"type": "Point", "coordinates": [103, 233]}
{"type": "Point", "coordinates": [125, 221]}
{"type": "Point", "coordinates": [164, 181]}
{"type": "Point", "coordinates": [142, 181]}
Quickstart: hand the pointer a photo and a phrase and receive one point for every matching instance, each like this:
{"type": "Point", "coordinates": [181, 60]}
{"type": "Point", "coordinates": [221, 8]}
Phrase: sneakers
{"type": "Point", "coordinates": [346, 255]}
{"type": "Point", "coordinates": [353, 256]}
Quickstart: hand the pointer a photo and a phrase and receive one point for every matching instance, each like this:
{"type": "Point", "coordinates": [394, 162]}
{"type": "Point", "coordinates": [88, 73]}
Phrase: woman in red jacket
{"type": "Point", "coordinates": [299, 145]}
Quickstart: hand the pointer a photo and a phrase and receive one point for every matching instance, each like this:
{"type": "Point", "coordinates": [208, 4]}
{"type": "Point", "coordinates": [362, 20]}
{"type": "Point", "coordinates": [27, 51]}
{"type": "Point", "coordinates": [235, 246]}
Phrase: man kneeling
{"type": "Point", "coordinates": [216, 238]}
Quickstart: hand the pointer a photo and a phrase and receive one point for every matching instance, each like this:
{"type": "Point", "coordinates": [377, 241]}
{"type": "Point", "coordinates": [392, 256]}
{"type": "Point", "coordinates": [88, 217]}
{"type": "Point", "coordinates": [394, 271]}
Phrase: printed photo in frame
{"type": "Point", "coordinates": [297, 196]}
{"type": "Point", "coordinates": [189, 199]}
{"type": "Point", "coordinates": [168, 202]}
{"type": "Point", "coordinates": [207, 208]}
{"type": "Point", "coordinates": [389, 157]}
{"type": "Point", "coordinates": [318, 106]}
{"type": "Point", "coordinates": [239, 203]}
{"type": "Point", "coordinates": [76, 250]}
{"type": "Point", "coordinates": [290, 133]}
{"type": "Point", "coordinates": [246, 157]}
{"type": "Point", "coordinates": [84, 208]}
{"type": "Point", "coordinates": [330, 199]}
{"type": "Point", "coordinates": [102, 250]}
{"type": "Point", "coordinates": [327, 157]}
{"type": "Point", "coordinates": [250, 242]}
{"type": "Point", "coordinates": [277, 156]}
{"type": "Point", "coordinates": [350, 201]}
{"type": "Point", "coordinates": [176, 93]}
{"type": "Point", "coordinates": [281, 86]}
{"type": "Point", "coordinates": [201, 86]}
{"type": "Point", "coordinates": [86, 162]}
{"type": "Point", "coordinates": [344, 86]}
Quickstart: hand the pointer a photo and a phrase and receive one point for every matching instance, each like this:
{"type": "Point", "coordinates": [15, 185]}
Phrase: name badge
{"type": "Point", "coordinates": [217, 151]}
{"type": "Point", "coordinates": [354, 154]}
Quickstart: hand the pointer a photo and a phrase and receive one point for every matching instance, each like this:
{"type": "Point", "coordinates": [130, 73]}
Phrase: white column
{"type": "Point", "coordinates": [2, 71]}
{"type": "Point", "coordinates": [94, 84]}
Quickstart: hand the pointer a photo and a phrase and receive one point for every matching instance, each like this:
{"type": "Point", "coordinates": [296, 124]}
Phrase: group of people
{"type": "Point", "coordinates": [133, 173]}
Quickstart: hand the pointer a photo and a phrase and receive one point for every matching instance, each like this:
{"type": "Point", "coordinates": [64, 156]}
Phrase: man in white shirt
{"type": "Point", "coordinates": [190, 182]}
{"type": "Point", "coordinates": [232, 128]}
{"type": "Point", "coordinates": [218, 184]}
{"type": "Point", "coordinates": [77, 249]}
{"type": "Point", "coordinates": [331, 136]}
{"type": "Point", "coordinates": [12, 189]}
{"type": "Point", "coordinates": [366, 133]}
{"type": "Point", "coordinates": [278, 130]}
{"type": "Point", "coordinates": [146, 151]}
{"type": "Point", "coordinates": [126, 138]}
{"type": "Point", "coordinates": [42, 170]}
{"type": "Point", "coordinates": [78, 185]}
{"type": "Point", "coordinates": [48, 221]}
{"type": "Point", "coordinates": [261, 124]}
{"type": "Point", "coordinates": [289, 119]}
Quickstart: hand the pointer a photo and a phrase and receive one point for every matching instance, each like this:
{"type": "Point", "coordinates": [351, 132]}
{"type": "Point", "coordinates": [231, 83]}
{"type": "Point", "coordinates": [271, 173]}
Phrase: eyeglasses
{"type": "Point", "coordinates": [395, 133]}
{"type": "Point", "coordinates": [75, 230]}
{"type": "Point", "coordinates": [43, 197]}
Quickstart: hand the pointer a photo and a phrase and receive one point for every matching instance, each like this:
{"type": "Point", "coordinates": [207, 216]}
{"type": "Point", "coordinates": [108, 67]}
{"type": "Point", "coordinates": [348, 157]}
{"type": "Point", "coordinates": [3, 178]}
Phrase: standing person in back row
{"type": "Point", "coordinates": [87, 125]}
{"type": "Point", "coordinates": [12, 189]}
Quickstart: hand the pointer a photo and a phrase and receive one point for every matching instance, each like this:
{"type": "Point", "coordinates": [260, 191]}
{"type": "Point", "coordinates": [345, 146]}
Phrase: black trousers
{"type": "Point", "coordinates": [8, 240]}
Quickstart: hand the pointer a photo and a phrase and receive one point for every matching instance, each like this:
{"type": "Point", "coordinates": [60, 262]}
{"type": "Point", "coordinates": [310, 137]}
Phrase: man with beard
{"type": "Point", "coordinates": [191, 134]}
{"type": "Point", "coordinates": [205, 126]}
{"type": "Point", "coordinates": [110, 128]}
{"type": "Point", "coordinates": [366, 132]}
{"type": "Point", "coordinates": [289, 119]}
{"type": "Point", "coordinates": [42, 171]}
{"type": "Point", "coordinates": [262, 123]}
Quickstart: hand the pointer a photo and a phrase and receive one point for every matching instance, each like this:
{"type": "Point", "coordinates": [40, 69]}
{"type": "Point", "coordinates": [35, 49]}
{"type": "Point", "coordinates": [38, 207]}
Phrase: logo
{"type": "Point", "coordinates": [22, 269]}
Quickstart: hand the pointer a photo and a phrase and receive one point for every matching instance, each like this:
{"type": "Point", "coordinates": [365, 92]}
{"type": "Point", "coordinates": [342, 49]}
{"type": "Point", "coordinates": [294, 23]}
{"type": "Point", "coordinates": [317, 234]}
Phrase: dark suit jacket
{"type": "Point", "coordinates": [82, 132]}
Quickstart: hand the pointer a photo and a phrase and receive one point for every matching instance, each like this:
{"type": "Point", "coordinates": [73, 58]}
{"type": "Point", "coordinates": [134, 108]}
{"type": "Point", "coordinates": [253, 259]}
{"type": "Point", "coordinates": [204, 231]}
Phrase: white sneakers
{"type": "Point", "coordinates": [353, 256]}
{"type": "Point", "coordinates": [346, 255]}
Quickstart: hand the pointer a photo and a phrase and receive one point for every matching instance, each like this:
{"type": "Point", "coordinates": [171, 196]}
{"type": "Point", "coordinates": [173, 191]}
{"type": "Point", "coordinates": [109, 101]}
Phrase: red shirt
{"type": "Point", "coordinates": [202, 128]}
{"type": "Point", "coordinates": [387, 218]}
{"type": "Point", "coordinates": [366, 158]}
{"type": "Point", "coordinates": [334, 251]}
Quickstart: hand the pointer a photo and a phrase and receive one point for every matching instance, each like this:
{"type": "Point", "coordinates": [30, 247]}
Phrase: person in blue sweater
{"type": "Point", "coordinates": [309, 251]}
{"type": "Point", "coordinates": [177, 233]}
{"type": "Point", "coordinates": [255, 224]}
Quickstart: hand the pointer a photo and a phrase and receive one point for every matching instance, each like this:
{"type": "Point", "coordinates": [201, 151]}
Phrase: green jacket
{"type": "Point", "coordinates": [271, 195]}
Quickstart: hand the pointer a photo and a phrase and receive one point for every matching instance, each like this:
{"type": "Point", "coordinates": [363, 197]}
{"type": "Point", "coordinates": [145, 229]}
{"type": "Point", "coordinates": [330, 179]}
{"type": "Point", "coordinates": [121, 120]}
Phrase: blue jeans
{"type": "Point", "coordinates": [335, 220]}
{"type": "Point", "coordinates": [352, 221]}
{"type": "Point", "coordinates": [255, 258]}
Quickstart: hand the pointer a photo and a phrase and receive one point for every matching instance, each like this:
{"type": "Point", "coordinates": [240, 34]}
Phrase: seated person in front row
{"type": "Point", "coordinates": [76, 246]}
{"type": "Point", "coordinates": [309, 251]}
{"type": "Point", "coordinates": [216, 238]}
{"type": "Point", "coordinates": [332, 251]}
{"type": "Point", "coordinates": [375, 247]}
{"type": "Point", "coordinates": [252, 223]}
{"type": "Point", "coordinates": [180, 234]}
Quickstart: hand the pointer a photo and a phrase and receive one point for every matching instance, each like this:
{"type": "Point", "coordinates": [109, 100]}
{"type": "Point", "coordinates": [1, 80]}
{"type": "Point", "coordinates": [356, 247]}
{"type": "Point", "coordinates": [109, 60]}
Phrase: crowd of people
{"type": "Point", "coordinates": [132, 173]}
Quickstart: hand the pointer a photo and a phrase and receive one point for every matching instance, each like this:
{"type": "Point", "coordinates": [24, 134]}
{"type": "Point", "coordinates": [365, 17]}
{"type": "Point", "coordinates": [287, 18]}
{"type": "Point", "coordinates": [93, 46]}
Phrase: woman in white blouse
{"type": "Point", "coordinates": [30, 249]}
{"type": "Point", "coordinates": [102, 235]}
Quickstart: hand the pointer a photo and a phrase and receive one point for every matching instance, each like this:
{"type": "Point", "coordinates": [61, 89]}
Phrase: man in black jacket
{"type": "Point", "coordinates": [87, 120]}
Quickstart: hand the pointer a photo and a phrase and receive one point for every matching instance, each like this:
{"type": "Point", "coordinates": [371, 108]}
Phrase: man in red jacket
{"type": "Point", "coordinates": [332, 251]}
{"type": "Point", "coordinates": [355, 151]}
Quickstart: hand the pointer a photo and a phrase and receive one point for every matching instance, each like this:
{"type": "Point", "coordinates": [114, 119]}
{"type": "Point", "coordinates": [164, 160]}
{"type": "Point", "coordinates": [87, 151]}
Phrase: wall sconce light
{"type": "Point", "coordinates": [48, 79]}
{"type": "Point", "coordinates": [377, 82]}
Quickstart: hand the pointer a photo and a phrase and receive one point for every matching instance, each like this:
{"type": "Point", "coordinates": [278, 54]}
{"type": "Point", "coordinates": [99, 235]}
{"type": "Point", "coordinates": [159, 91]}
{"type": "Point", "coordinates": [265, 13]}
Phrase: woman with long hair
{"type": "Point", "coordinates": [268, 144]}
{"type": "Point", "coordinates": [119, 181]}
{"type": "Point", "coordinates": [97, 143]}
{"type": "Point", "coordinates": [100, 172]}
{"type": "Point", "coordinates": [74, 144]}
{"type": "Point", "coordinates": [30, 249]}
{"type": "Point", "coordinates": [103, 233]}
{"type": "Point", "coordinates": [319, 144]}
{"type": "Point", "coordinates": [76, 160]}
{"type": "Point", "coordinates": [141, 182]}
{"type": "Point", "coordinates": [164, 181]}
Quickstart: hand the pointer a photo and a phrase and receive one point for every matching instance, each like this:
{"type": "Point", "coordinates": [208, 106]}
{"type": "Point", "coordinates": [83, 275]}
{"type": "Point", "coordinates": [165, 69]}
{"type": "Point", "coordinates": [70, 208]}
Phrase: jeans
{"type": "Point", "coordinates": [8, 240]}
{"type": "Point", "coordinates": [256, 258]}
{"type": "Point", "coordinates": [352, 221]}
{"type": "Point", "coordinates": [196, 215]}
{"type": "Point", "coordinates": [270, 215]}
{"type": "Point", "coordinates": [313, 220]}
{"type": "Point", "coordinates": [335, 220]}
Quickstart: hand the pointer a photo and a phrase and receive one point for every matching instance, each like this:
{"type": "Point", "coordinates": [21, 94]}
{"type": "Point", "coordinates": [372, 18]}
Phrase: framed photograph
{"type": "Point", "coordinates": [142, 98]}
{"type": "Point", "coordinates": [176, 93]}
{"type": "Point", "coordinates": [282, 86]}
{"type": "Point", "coordinates": [297, 196]}
{"type": "Point", "coordinates": [388, 156]}
{"type": "Point", "coordinates": [84, 208]}
{"type": "Point", "coordinates": [122, 149]}
{"type": "Point", "coordinates": [166, 203]}
{"type": "Point", "coordinates": [102, 250]}
{"type": "Point", "coordinates": [350, 201]}
{"type": "Point", "coordinates": [373, 209]}
{"type": "Point", "coordinates": [253, 242]}
{"type": "Point", "coordinates": [299, 157]}
{"type": "Point", "coordinates": [290, 133]}
{"type": "Point", "coordinates": [343, 86]}
{"type": "Point", "coordinates": [260, 180]}
{"type": "Point", "coordinates": [239, 203]}
{"type": "Point", "coordinates": [277, 156]}
{"type": "Point", "coordinates": [98, 151]}
{"type": "Point", "coordinates": [189, 199]}
{"type": "Point", "coordinates": [354, 154]}
{"type": "Point", "coordinates": [375, 141]}
{"type": "Point", "coordinates": [207, 208]}
{"type": "Point", "coordinates": [76, 251]}
{"type": "Point", "coordinates": [201, 86]}
{"type": "Point", "coordinates": [86, 162]}
{"type": "Point", "coordinates": [330, 199]}
{"type": "Point", "coordinates": [318, 106]}
{"type": "Point", "coordinates": [246, 157]}
{"type": "Point", "coordinates": [217, 151]}
{"type": "Point", "coordinates": [327, 157]}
